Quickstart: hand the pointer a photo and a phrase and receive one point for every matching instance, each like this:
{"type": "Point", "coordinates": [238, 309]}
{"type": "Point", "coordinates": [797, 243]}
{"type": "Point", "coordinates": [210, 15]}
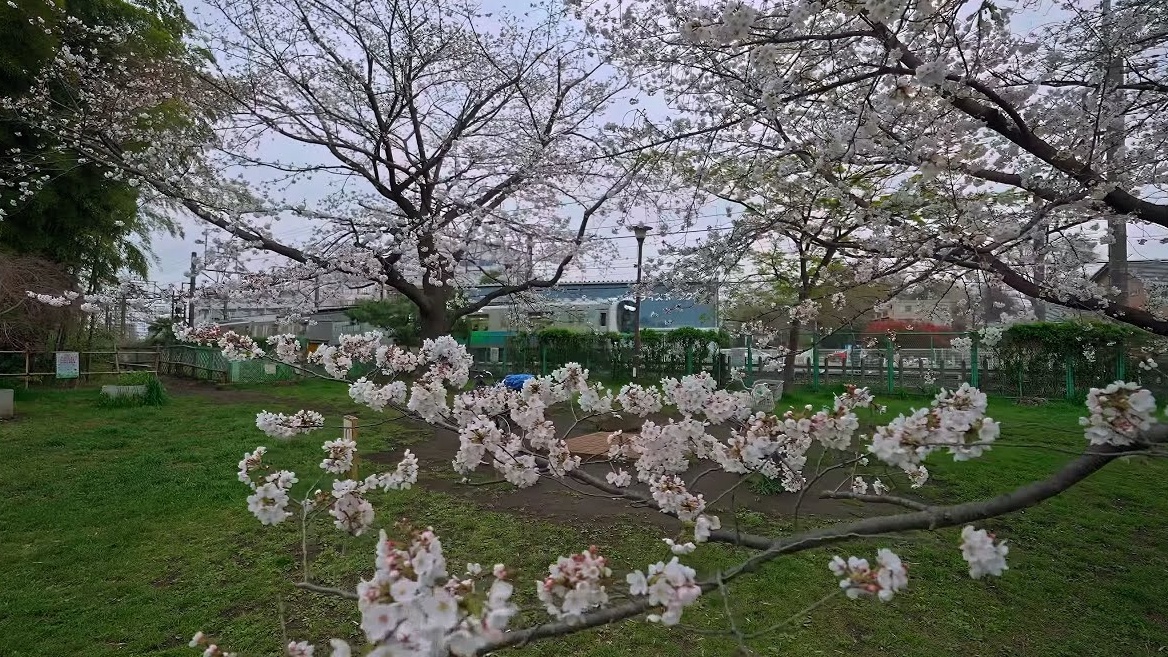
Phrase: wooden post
{"type": "Point", "coordinates": [27, 367]}
{"type": "Point", "coordinates": [350, 433]}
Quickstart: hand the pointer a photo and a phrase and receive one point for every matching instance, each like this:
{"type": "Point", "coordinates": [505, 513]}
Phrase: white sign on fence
{"type": "Point", "coordinates": [68, 364]}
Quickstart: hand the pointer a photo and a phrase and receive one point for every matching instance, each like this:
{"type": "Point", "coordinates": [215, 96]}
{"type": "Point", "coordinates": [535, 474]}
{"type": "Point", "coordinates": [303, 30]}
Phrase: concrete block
{"type": "Point", "coordinates": [7, 408]}
{"type": "Point", "coordinates": [123, 391]}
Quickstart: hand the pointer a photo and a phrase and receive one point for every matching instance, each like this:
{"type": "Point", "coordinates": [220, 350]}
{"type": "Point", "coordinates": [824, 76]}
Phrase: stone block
{"type": "Point", "coordinates": [7, 408]}
{"type": "Point", "coordinates": [123, 391]}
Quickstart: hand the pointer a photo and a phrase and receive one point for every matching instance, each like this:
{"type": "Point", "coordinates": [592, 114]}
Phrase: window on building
{"type": "Point", "coordinates": [603, 318]}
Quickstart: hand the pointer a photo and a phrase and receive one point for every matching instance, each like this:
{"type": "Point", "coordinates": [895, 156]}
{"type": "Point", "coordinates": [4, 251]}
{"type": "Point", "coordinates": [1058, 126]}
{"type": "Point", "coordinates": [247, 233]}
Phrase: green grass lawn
{"type": "Point", "coordinates": [123, 531]}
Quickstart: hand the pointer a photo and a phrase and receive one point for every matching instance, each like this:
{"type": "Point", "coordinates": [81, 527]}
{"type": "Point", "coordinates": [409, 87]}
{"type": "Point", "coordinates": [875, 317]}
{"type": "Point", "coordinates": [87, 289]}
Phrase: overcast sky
{"type": "Point", "coordinates": [173, 252]}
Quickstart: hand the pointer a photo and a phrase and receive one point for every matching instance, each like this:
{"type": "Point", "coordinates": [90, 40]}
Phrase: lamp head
{"type": "Point", "coordinates": [640, 230]}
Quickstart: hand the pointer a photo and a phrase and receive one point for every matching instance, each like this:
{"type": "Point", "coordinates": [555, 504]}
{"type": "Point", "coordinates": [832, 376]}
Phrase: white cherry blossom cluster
{"type": "Point", "coordinates": [278, 425]}
{"type": "Point", "coordinates": [481, 436]}
{"type": "Point", "coordinates": [336, 363]}
{"type": "Point", "coordinates": [351, 510]}
{"type": "Point", "coordinates": [299, 649]}
{"type": "Point", "coordinates": [664, 449]}
{"type": "Point", "coordinates": [238, 347]}
{"type": "Point", "coordinates": [596, 399]}
{"type": "Point", "coordinates": [352, 348]}
{"type": "Point", "coordinates": [985, 557]}
{"type": "Point", "coordinates": [639, 400]}
{"type": "Point", "coordinates": [860, 486]}
{"type": "Point", "coordinates": [393, 359]}
{"type": "Point", "coordinates": [680, 548]}
{"type": "Point", "coordinates": [449, 361]}
{"type": "Point", "coordinates": [857, 578]}
{"type": "Point", "coordinates": [210, 649]}
{"type": "Point", "coordinates": [572, 377]}
{"type": "Point", "coordinates": [575, 584]}
{"type": "Point", "coordinates": [286, 346]}
{"type": "Point", "coordinates": [853, 398]}
{"type": "Point", "coordinates": [234, 346]}
{"type": "Point", "coordinates": [377, 397]}
{"type": "Point", "coordinates": [1119, 412]}
{"type": "Point", "coordinates": [805, 311]}
{"type": "Point", "coordinates": [347, 503]}
{"type": "Point", "coordinates": [703, 525]}
{"type": "Point", "coordinates": [690, 394]}
{"type": "Point", "coordinates": [671, 496]}
{"type": "Point", "coordinates": [412, 605]}
{"type": "Point", "coordinates": [775, 447]}
{"type": "Point", "coordinates": [619, 478]}
{"type": "Point", "coordinates": [269, 500]}
{"type": "Point", "coordinates": [204, 334]}
{"type": "Point", "coordinates": [668, 585]}
{"type": "Point", "coordinates": [724, 405]}
{"type": "Point", "coordinates": [956, 421]}
{"type": "Point", "coordinates": [65, 299]}
{"type": "Point", "coordinates": [340, 455]}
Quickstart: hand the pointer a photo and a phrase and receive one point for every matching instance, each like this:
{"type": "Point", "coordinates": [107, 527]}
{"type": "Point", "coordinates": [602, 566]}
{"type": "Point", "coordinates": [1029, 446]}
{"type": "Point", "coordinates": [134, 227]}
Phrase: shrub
{"type": "Point", "coordinates": [155, 394]}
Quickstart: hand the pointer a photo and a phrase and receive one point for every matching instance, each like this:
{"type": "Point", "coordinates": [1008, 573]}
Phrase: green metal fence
{"type": "Point", "coordinates": [905, 362]}
{"type": "Point", "coordinates": [208, 364]}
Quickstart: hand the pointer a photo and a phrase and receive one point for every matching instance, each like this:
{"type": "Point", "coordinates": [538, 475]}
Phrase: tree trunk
{"type": "Point", "coordinates": [433, 324]}
{"type": "Point", "coordinates": [789, 359]}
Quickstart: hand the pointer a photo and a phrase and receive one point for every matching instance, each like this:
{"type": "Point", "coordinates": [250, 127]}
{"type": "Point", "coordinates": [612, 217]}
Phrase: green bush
{"type": "Point", "coordinates": [1035, 357]}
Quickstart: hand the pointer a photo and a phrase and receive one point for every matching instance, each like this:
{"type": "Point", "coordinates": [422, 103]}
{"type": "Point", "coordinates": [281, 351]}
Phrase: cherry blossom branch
{"type": "Point", "coordinates": [886, 499]}
{"type": "Point", "coordinates": [937, 517]}
{"type": "Point", "coordinates": [931, 518]}
{"type": "Point", "coordinates": [327, 590]}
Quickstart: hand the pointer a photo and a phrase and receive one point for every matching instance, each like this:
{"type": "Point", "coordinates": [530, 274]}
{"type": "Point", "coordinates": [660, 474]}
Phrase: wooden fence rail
{"type": "Point", "coordinates": [39, 365]}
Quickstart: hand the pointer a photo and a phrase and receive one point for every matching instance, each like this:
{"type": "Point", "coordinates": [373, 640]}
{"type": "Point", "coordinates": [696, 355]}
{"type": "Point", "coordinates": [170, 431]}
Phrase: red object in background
{"type": "Point", "coordinates": [908, 332]}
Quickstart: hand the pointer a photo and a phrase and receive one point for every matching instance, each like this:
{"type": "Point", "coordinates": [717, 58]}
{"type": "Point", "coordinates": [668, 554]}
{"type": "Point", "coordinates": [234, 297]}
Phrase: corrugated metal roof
{"type": "Point", "coordinates": [1149, 271]}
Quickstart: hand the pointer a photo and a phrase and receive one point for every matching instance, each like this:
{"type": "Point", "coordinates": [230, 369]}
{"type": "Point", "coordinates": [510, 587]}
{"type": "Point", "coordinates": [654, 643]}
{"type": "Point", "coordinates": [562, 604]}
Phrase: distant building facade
{"type": "Point", "coordinates": [599, 306]}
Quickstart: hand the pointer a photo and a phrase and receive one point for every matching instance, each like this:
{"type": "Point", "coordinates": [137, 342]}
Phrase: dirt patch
{"type": "Point", "coordinates": [566, 501]}
{"type": "Point", "coordinates": [219, 392]}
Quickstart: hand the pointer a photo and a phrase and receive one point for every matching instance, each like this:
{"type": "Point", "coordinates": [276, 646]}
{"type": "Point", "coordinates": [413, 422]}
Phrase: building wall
{"type": "Point", "coordinates": [920, 309]}
{"type": "Point", "coordinates": [1137, 293]}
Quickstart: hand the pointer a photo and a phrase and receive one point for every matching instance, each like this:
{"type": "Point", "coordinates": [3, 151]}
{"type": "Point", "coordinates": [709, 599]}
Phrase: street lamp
{"type": "Point", "coordinates": [640, 231]}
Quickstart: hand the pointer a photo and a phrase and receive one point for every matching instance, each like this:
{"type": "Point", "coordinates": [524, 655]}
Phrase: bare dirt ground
{"type": "Point", "coordinates": [566, 501]}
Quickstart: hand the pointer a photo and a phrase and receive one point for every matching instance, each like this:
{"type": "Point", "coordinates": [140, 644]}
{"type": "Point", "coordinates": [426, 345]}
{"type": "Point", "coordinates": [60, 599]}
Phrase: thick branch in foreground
{"type": "Point", "coordinates": [931, 518]}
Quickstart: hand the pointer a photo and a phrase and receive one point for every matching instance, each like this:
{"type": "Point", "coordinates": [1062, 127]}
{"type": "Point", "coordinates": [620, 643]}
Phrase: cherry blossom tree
{"type": "Point", "coordinates": [415, 602]}
{"type": "Point", "coordinates": [406, 135]}
{"type": "Point", "coordinates": [1014, 127]}
{"type": "Point", "coordinates": [797, 236]}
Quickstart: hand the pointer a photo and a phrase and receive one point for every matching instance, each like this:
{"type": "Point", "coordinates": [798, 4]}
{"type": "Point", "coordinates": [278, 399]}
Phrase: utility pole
{"type": "Point", "coordinates": [122, 315]}
{"type": "Point", "coordinates": [640, 231]}
{"type": "Point", "coordinates": [1113, 138]}
{"type": "Point", "coordinates": [191, 281]}
{"type": "Point", "coordinates": [530, 257]}
{"type": "Point", "coordinates": [1040, 271]}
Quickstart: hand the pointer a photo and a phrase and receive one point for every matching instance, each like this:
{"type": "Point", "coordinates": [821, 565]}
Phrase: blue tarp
{"type": "Point", "coordinates": [515, 381]}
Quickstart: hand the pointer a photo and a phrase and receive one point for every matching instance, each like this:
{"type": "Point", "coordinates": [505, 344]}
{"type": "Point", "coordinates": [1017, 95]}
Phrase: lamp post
{"type": "Point", "coordinates": [640, 231]}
